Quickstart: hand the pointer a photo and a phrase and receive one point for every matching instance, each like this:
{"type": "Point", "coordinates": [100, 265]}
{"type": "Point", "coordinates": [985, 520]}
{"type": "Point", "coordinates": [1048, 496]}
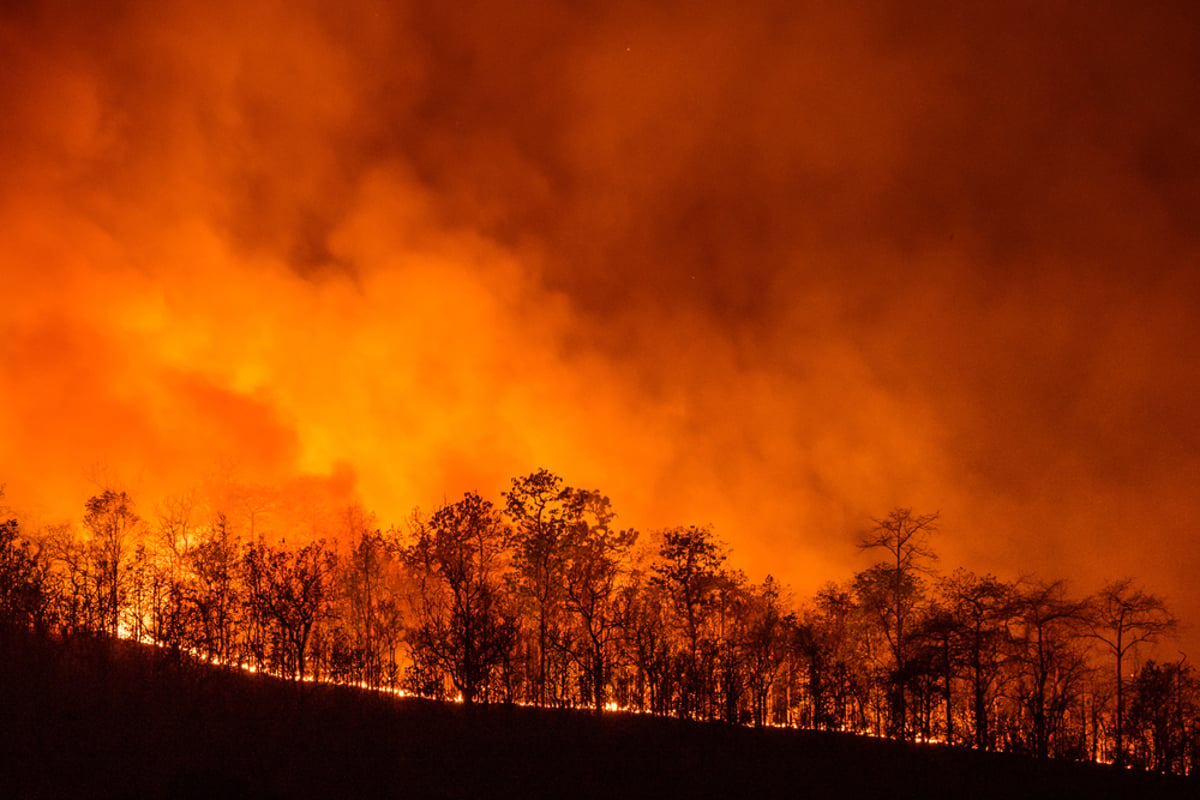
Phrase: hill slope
{"type": "Point", "coordinates": [118, 721]}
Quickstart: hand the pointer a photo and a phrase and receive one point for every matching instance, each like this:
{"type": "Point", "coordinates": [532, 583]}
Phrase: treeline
{"type": "Point", "coordinates": [544, 600]}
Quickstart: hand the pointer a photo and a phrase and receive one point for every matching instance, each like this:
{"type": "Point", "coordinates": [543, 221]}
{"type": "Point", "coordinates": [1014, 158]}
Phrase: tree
{"type": "Point", "coordinates": [111, 520]}
{"type": "Point", "coordinates": [1122, 616]}
{"type": "Point", "coordinates": [539, 507]}
{"type": "Point", "coordinates": [213, 590]}
{"type": "Point", "coordinates": [1051, 667]}
{"type": "Point", "coordinates": [936, 664]}
{"type": "Point", "coordinates": [371, 610]}
{"type": "Point", "coordinates": [463, 627]}
{"type": "Point", "coordinates": [1162, 716]}
{"type": "Point", "coordinates": [148, 605]}
{"type": "Point", "coordinates": [646, 606]}
{"type": "Point", "coordinates": [769, 626]}
{"type": "Point", "coordinates": [175, 525]}
{"type": "Point", "coordinates": [892, 588]}
{"type": "Point", "coordinates": [823, 643]}
{"type": "Point", "coordinates": [77, 594]}
{"type": "Point", "coordinates": [23, 597]}
{"type": "Point", "coordinates": [594, 566]}
{"type": "Point", "coordinates": [689, 569]}
{"type": "Point", "coordinates": [293, 589]}
{"type": "Point", "coordinates": [727, 654]}
{"type": "Point", "coordinates": [980, 609]}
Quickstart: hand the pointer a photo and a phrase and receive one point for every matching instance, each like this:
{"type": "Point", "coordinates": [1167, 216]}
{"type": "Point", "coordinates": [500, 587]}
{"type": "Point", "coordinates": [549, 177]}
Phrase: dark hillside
{"type": "Point", "coordinates": [105, 720]}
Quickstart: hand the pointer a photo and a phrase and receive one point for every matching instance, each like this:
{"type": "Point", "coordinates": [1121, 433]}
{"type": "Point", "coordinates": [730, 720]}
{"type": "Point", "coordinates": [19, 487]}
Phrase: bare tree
{"type": "Point", "coordinates": [1122, 616]}
{"type": "Point", "coordinates": [1051, 664]}
{"type": "Point", "coordinates": [175, 522]}
{"type": "Point", "coordinates": [75, 587]}
{"type": "Point", "coordinates": [980, 609]}
{"type": "Point", "coordinates": [893, 588]}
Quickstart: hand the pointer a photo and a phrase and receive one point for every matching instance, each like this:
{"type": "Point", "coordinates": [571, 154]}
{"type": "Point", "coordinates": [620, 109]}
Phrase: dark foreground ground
{"type": "Point", "coordinates": [107, 722]}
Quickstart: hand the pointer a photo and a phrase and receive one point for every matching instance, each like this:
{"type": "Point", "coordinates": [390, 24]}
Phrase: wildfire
{"type": "Point", "coordinates": [766, 273]}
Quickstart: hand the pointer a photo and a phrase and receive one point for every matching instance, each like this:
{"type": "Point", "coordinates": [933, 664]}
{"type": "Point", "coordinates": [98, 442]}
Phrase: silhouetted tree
{"type": "Point", "coordinates": [647, 610]}
{"type": "Point", "coordinates": [538, 507]}
{"type": "Point", "coordinates": [463, 625]}
{"type": "Point", "coordinates": [112, 522]}
{"type": "Point", "coordinates": [938, 638]}
{"type": "Point", "coordinates": [80, 597]}
{"type": "Point", "coordinates": [728, 650]}
{"type": "Point", "coordinates": [213, 590]}
{"type": "Point", "coordinates": [23, 591]}
{"type": "Point", "coordinates": [176, 516]}
{"type": "Point", "coordinates": [291, 588]}
{"type": "Point", "coordinates": [1162, 721]}
{"type": "Point", "coordinates": [372, 612]}
{"type": "Point", "coordinates": [875, 594]}
{"type": "Point", "coordinates": [1050, 664]}
{"type": "Point", "coordinates": [823, 643]}
{"type": "Point", "coordinates": [892, 588]}
{"type": "Point", "coordinates": [1122, 616]}
{"type": "Point", "coordinates": [564, 607]}
{"type": "Point", "coordinates": [980, 609]}
{"type": "Point", "coordinates": [688, 567]}
{"type": "Point", "coordinates": [769, 627]}
{"type": "Point", "coordinates": [595, 556]}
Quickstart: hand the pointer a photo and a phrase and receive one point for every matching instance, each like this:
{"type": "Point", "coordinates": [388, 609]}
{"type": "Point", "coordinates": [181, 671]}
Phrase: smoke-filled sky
{"type": "Point", "coordinates": [767, 265]}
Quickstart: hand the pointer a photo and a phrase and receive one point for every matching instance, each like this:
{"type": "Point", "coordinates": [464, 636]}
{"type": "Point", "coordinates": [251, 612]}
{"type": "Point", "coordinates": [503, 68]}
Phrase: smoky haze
{"type": "Point", "coordinates": [777, 268]}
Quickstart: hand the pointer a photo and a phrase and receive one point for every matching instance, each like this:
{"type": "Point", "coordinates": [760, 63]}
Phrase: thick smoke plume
{"type": "Point", "coordinates": [774, 267]}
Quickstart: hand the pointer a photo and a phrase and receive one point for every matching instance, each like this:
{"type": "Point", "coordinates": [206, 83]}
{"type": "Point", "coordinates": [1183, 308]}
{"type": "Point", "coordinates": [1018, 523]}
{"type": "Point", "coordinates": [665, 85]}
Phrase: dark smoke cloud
{"type": "Point", "coordinates": [778, 267]}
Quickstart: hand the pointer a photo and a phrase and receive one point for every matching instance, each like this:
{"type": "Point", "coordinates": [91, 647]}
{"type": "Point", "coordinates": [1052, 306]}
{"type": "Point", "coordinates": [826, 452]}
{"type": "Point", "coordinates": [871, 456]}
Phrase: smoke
{"type": "Point", "coordinates": [777, 268]}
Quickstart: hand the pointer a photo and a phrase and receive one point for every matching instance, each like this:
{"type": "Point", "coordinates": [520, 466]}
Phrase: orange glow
{"type": "Point", "coordinates": [773, 270]}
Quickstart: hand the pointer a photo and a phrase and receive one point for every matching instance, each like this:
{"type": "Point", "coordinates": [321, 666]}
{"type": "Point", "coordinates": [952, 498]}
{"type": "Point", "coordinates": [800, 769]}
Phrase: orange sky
{"type": "Point", "coordinates": [774, 267]}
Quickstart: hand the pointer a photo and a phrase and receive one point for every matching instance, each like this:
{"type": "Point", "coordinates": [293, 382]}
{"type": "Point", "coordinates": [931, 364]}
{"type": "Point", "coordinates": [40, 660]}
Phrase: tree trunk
{"type": "Point", "coordinates": [948, 692]}
{"type": "Point", "coordinates": [598, 676]}
{"type": "Point", "coordinates": [1119, 757]}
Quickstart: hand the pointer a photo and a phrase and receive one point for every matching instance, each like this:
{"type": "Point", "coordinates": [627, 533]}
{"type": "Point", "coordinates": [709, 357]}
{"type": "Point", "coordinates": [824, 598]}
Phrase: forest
{"type": "Point", "coordinates": [542, 599]}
